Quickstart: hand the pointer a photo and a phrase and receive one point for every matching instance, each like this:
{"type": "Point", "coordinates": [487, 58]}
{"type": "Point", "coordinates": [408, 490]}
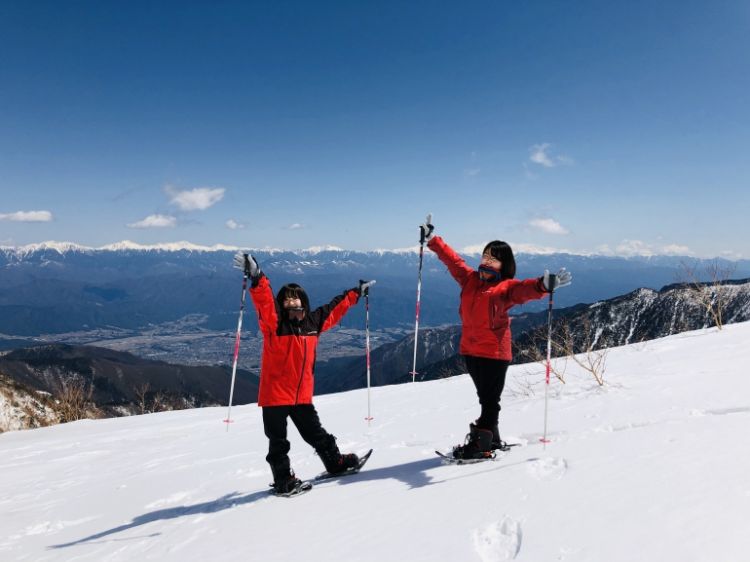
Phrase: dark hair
{"type": "Point", "coordinates": [292, 290]}
{"type": "Point", "coordinates": [502, 251]}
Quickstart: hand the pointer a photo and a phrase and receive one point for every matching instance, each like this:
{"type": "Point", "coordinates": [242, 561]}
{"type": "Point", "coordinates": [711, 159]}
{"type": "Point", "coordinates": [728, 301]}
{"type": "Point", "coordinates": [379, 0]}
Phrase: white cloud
{"type": "Point", "coordinates": [539, 154]}
{"type": "Point", "coordinates": [234, 225]}
{"type": "Point", "coordinates": [155, 221]}
{"type": "Point", "coordinates": [295, 226]}
{"type": "Point", "coordinates": [634, 248]}
{"type": "Point", "coordinates": [27, 216]}
{"type": "Point", "coordinates": [676, 250]}
{"type": "Point", "coordinates": [550, 226]}
{"type": "Point", "coordinates": [471, 172]}
{"type": "Point", "coordinates": [198, 199]}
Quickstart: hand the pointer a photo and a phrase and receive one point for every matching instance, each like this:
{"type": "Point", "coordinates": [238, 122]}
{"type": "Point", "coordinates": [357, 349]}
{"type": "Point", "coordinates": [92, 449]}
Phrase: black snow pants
{"type": "Point", "coordinates": [489, 380]}
{"type": "Point", "coordinates": [305, 418]}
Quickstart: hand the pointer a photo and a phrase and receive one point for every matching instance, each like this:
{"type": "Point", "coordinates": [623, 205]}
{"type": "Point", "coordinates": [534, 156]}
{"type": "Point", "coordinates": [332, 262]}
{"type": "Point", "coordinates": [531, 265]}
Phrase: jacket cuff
{"type": "Point", "coordinates": [540, 285]}
{"type": "Point", "coordinates": [255, 281]}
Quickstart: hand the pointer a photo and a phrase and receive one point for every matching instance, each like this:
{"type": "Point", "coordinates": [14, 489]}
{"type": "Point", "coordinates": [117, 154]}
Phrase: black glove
{"type": "Point", "coordinates": [425, 232]}
{"type": "Point", "coordinates": [364, 287]}
{"type": "Point", "coordinates": [249, 266]}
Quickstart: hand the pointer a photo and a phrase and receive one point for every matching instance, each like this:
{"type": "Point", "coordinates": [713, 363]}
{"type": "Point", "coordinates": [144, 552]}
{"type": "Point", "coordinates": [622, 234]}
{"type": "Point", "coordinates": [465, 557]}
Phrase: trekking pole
{"type": "Point", "coordinates": [422, 237]}
{"type": "Point", "coordinates": [236, 349]}
{"type": "Point", "coordinates": [549, 356]}
{"type": "Point", "coordinates": [367, 346]}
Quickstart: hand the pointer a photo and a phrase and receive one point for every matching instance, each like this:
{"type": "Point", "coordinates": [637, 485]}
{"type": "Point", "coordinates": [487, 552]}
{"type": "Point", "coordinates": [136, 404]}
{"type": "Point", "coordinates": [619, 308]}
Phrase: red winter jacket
{"type": "Point", "coordinates": [286, 373]}
{"type": "Point", "coordinates": [484, 305]}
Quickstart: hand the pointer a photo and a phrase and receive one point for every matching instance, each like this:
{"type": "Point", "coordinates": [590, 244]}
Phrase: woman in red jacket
{"type": "Point", "coordinates": [290, 339]}
{"type": "Point", "coordinates": [487, 294]}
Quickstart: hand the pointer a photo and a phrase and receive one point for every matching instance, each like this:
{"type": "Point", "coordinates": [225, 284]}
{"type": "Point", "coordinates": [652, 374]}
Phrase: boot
{"type": "Point", "coordinates": [332, 458]}
{"type": "Point", "coordinates": [284, 480]}
{"type": "Point", "coordinates": [497, 443]}
{"type": "Point", "coordinates": [478, 444]}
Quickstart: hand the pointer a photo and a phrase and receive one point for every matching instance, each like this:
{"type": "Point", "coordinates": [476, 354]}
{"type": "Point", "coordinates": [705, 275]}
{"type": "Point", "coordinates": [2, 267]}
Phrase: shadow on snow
{"type": "Point", "coordinates": [413, 474]}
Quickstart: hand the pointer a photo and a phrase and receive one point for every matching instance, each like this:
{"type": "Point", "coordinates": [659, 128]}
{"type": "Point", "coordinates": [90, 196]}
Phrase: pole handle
{"type": "Point", "coordinates": [422, 233]}
{"type": "Point", "coordinates": [366, 292]}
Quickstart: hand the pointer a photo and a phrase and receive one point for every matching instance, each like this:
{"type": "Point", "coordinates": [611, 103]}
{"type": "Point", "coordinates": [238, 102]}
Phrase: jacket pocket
{"type": "Point", "coordinates": [498, 318]}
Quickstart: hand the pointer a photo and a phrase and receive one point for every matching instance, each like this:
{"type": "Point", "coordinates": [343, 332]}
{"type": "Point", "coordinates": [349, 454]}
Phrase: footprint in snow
{"type": "Point", "coordinates": [548, 468]}
{"type": "Point", "coordinates": [498, 541]}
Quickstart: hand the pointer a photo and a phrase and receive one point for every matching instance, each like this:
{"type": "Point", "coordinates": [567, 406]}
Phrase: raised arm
{"type": "Point", "coordinates": [455, 263]}
{"type": "Point", "coordinates": [265, 305]}
{"type": "Point", "coordinates": [328, 315]}
{"type": "Point", "coordinates": [522, 291]}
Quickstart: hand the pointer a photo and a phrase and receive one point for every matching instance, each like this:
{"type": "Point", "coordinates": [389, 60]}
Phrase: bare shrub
{"type": "Point", "coordinates": [583, 350]}
{"type": "Point", "coordinates": [74, 398]}
{"type": "Point", "coordinates": [141, 394]}
{"type": "Point", "coordinates": [159, 402]}
{"type": "Point", "coordinates": [713, 294]}
{"type": "Point", "coordinates": [536, 352]}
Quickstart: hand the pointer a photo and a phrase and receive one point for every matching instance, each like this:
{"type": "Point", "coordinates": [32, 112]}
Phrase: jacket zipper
{"type": "Point", "coordinates": [302, 372]}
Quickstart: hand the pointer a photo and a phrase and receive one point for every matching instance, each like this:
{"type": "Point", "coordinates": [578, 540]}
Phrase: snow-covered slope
{"type": "Point", "coordinates": [651, 467]}
{"type": "Point", "coordinates": [21, 408]}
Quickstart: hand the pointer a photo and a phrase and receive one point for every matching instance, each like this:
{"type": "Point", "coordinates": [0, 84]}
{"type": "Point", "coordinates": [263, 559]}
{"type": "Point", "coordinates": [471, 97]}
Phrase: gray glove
{"type": "Point", "coordinates": [248, 264]}
{"type": "Point", "coordinates": [562, 278]}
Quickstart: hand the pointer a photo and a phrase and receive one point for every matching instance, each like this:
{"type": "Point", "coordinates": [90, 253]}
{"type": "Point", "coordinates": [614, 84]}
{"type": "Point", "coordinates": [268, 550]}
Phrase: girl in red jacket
{"type": "Point", "coordinates": [290, 339]}
{"type": "Point", "coordinates": [487, 294]}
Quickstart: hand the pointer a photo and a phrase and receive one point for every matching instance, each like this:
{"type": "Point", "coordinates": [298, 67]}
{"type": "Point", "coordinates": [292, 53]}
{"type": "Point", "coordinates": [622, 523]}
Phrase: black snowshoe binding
{"type": "Point", "coordinates": [290, 487]}
{"type": "Point", "coordinates": [497, 443]}
{"type": "Point", "coordinates": [333, 460]}
{"type": "Point", "coordinates": [285, 483]}
{"type": "Point", "coordinates": [478, 445]}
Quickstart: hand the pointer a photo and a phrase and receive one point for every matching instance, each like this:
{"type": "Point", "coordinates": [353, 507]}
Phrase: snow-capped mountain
{"type": "Point", "coordinates": [649, 467]}
{"type": "Point", "coordinates": [52, 288]}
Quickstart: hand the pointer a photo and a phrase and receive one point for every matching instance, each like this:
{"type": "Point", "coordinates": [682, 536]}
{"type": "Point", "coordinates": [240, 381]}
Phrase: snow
{"type": "Point", "coordinates": [51, 245]}
{"type": "Point", "coordinates": [652, 466]}
{"type": "Point", "coordinates": [167, 247]}
{"type": "Point", "coordinates": [19, 410]}
{"type": "Point", "coordinates": [312, 250]}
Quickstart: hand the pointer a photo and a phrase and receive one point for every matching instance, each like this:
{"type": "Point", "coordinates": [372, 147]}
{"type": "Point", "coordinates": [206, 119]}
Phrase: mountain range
{"type": "Point", "coordinates": [56, 288]}
{"type": "Point", "coordinates": [116, 383]}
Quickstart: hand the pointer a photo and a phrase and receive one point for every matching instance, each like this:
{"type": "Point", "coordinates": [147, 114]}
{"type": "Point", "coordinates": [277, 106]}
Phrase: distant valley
{"type": "Point", "coordinates": [50, 290]}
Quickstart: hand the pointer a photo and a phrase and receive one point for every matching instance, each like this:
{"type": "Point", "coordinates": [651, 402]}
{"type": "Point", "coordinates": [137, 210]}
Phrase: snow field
{"type": "Point", "coordinates": [653, 466]}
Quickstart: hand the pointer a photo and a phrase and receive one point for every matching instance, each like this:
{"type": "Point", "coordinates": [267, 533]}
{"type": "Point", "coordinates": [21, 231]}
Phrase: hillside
{"type": "Point", "coordinates": [641, 315]}
{"type": "Point", "coordinates": [87, 381]}
{"type": "Point", "coordinates": [647, 467]}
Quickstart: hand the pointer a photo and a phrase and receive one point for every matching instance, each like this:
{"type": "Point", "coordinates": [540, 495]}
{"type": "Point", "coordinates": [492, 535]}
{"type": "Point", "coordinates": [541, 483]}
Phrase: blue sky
{"type": "Point", "coordinates": [615, 127]}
